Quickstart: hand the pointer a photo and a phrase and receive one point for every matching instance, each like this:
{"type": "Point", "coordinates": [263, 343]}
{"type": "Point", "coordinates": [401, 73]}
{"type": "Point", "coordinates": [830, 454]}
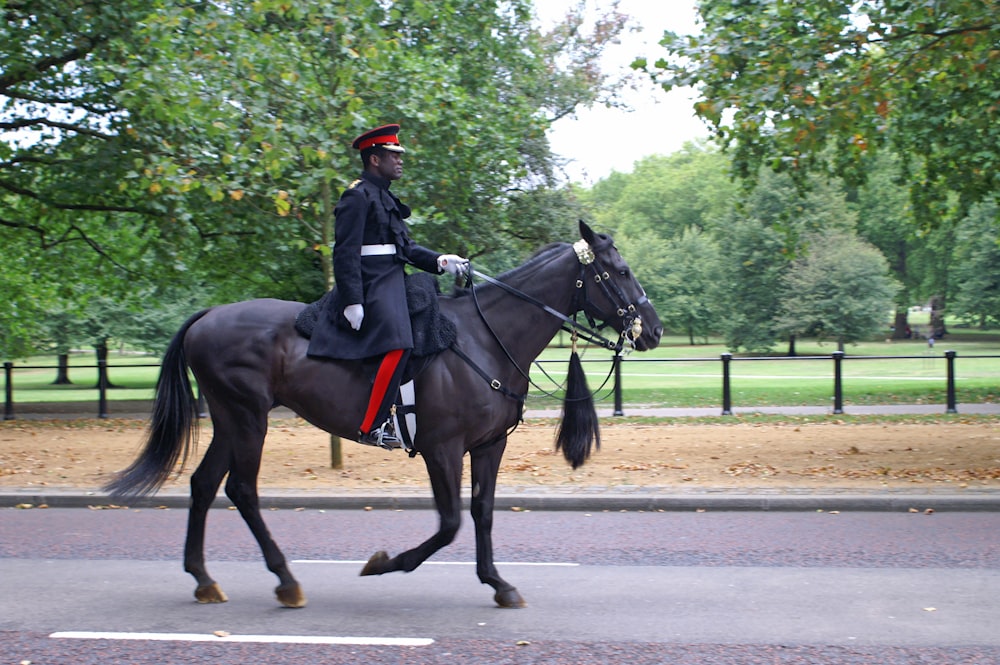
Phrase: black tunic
{"type": "Point", "coordinates": [369, 214]}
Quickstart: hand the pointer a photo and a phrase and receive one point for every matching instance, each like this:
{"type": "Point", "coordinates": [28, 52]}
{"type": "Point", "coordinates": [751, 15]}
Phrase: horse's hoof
{"type": "Point", "coordinates": [509, 598]}
{"type": "Point", "coordinates": [290, 595]}
{"type": "Point", "coordinates": [210, 593]}
{"type": "Point", "coordinates": [377, 564]}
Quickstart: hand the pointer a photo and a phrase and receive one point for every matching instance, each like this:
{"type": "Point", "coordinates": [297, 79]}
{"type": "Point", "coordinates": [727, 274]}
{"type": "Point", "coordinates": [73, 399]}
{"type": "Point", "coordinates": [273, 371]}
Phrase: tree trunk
{"type": "Point", "coordinates": [791, 346]}
{"type": "Point", "coordinates": [326, 233]}
{"type": "Point", "coordinates": [62, 372]}
{"type": "Point", "coordinates": [938, 328]}
{"type": "Point", "coordinates": [901, 325]}
{"type": "Point", "coordinates": [326, 259]}
{"type": "Point", "coordinates": [101, 349]}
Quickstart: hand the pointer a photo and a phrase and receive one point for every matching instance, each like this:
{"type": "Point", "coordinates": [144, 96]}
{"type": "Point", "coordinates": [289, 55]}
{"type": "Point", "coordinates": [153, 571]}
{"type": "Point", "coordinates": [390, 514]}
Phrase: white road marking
{"type": "Point", "coordinates": [439, 563]}
{"type": "Point", "coordinates": [266, 639]}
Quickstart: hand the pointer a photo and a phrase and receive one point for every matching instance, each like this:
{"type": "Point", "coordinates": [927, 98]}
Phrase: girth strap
{"type": "Point", "coordinates": [495, 384]}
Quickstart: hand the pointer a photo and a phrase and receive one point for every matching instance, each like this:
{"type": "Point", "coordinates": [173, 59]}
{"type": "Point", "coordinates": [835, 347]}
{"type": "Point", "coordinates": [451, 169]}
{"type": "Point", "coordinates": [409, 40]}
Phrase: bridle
{"type": "Point", "coordinates": [627, 311]}
{"type": "Point", "coordinates": [591, 270]}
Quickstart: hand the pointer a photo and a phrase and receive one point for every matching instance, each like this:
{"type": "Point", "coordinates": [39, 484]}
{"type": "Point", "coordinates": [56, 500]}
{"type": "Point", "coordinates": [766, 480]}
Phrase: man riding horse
{"type": "Point", "coordinates": [367, 313]}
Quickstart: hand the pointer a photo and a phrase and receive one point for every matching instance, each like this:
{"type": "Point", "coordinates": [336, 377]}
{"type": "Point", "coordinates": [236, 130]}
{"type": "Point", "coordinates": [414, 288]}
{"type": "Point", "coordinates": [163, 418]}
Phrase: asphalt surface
{"type": "Point", "coordinates": [590, 498]}
{"type": "Point", "coordinates": [839, 577]}
{"type": "Point", "coordinates": [98, 587]}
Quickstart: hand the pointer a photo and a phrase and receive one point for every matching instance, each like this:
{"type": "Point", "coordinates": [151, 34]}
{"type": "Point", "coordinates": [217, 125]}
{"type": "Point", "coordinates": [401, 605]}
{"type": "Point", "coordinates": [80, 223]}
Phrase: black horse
{"type": "Point", "coordinates": [248, 358]}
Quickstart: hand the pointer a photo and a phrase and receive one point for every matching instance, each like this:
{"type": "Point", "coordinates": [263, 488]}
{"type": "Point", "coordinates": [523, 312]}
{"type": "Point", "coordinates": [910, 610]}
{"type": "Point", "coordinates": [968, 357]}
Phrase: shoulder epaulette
{"type": "Point", "coordinates": [354, 184]}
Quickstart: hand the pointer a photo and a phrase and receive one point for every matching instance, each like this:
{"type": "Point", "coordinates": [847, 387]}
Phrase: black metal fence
{"type": "Point", "coordinates": [103, 384]}
{"type": "Point", "coordinates": [836, 359]}
{"type": "Point", "coordinates": [726, 360]}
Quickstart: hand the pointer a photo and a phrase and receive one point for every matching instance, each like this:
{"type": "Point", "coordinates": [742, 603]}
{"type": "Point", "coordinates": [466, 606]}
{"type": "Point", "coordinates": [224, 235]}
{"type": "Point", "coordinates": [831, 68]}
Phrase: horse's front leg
{"type": "Point", "coordinates": [445, 471]}
{"type": "Point", "coordinates": [485, 466]}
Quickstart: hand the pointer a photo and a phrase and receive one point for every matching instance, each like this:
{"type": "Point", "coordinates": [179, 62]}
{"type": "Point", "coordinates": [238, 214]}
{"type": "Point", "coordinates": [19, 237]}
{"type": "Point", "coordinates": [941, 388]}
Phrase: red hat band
{"type": "Point", "coordinates": [377, 140]}
{"type": "Point", "coordinates": [385, 135]}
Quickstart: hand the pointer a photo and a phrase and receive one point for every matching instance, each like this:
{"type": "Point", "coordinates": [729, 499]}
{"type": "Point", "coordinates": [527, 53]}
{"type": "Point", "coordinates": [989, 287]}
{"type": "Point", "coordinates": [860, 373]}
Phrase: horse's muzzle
{"type": "Point", "coordinates": [649, 339]}
{"type": "Point", "coordinates": [649, 331]}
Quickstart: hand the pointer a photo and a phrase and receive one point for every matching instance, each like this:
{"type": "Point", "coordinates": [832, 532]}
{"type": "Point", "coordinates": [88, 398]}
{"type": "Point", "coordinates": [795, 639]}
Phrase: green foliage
{"type": "Point", "coordinates": [713, 257]}
{"type": "Point", "coordinates": [976, 274]}
{"type": "Point", "coordinates": [825, 86]}
{"type": "Point", "coordinates": [839, 290]}
{"type": "Point", "coordinates": [754, 260]}
{"type": "Point", "coordinates": [160, 142]}
{"type": "Point", "coordinates": [666, 194]}
{"type": "Point", "coordinates": [885, 220]}
{"type": "Point", "coordinates": [681, 277]}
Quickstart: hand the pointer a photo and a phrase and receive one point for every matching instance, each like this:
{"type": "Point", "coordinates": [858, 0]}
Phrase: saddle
{"type": "Point", "coordinates": [432, 332]}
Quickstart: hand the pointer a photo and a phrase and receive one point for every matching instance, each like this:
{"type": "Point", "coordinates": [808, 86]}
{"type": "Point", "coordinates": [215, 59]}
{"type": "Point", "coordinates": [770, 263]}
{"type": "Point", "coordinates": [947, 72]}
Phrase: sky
{"type": "Point", "coordinates": [600, 140]}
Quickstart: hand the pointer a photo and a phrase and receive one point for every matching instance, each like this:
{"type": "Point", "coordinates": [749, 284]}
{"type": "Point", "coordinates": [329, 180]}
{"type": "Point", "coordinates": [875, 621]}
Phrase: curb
{"type": "Point", "coordinates": [593, 501]}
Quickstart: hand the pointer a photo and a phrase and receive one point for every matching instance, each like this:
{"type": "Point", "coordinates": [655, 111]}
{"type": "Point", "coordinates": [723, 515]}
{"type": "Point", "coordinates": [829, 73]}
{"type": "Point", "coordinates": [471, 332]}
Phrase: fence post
{"type": "Point", "coordinates": [617, 360]}
{"type": "Point", "coordinates": [8, 404]}
{"type": "Point", "coordinates": [102, 388]}
{"type": "Point", "coordinates": [838, 385]}
{"type": "Point", "coordinates": [727, 399]}
{"type": "Point", "coordinates": [951, 408]}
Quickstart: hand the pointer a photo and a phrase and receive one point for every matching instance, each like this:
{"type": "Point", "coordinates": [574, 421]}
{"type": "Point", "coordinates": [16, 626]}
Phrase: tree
{"type": "Point", "coordinates": [62, 329]}
{"type": "Point", "coordinates": [62, 132]}
{"type": "Point", "coordinates": [768, 229]}
{"type": "Point", "coordinates": [977, 267]}
{"type": "Point", "coordinates": [839, 290]}
{"type": "Point", "coordinates": [754, 260]}
{"type": "Point", "coordinates": [19, 316]}
{"type": "Point", "coordinates": [692, 278]}
{"type": "Point", "coordinates": [717, 254]}
{"type": "Point", "coordinates": [666, 194]}
{"type": "Point", "coordinates": [227, 123]}
{"type": "Point", "coordinates": [206, 142]}
{"type": "Point", "coordinates": [885, 220]}
{"type": "Point", "coordinates": [282, 87]}
{"type": "Point", "coordinates": [825, 85]}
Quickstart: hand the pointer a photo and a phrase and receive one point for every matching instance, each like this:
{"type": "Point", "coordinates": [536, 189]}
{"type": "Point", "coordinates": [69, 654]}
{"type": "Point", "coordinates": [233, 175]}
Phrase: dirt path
{"type": "Point", "coordinates": [81, 454]}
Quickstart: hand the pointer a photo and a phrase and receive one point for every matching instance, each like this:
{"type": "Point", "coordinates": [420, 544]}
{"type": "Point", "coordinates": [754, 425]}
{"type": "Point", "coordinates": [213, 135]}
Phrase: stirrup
{"type": "Point", "coordinates": [383, 437]}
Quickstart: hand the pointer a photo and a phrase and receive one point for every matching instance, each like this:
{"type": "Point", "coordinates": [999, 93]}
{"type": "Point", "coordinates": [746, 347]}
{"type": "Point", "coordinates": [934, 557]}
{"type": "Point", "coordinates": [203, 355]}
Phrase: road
{"type": "Point", "coordinates": [79, 586]}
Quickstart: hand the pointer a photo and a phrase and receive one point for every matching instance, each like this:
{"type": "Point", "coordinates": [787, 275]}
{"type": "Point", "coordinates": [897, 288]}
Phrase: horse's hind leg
{"type": "Point", "coordinates": [204, 485]}
{"type": "Point", "coordinates": [485, 466]}
{"type": "Point", "coordinates": [241, 488]}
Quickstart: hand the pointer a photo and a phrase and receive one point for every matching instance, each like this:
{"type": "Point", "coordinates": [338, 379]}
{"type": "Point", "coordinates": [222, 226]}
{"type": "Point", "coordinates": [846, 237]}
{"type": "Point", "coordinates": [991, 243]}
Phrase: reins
{"type": "Point", "coordinates": [591, 334]}
{"type": "Point", "coordinates": [569, 324]}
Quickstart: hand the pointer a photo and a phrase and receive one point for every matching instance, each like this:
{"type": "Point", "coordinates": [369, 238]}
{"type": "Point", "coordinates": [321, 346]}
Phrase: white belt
{"type": "Point", "coordinates": [377, 250]}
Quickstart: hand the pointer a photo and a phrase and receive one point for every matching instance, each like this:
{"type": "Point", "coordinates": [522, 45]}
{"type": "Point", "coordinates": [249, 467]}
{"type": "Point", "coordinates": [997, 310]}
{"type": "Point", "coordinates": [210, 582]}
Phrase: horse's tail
{"type": "Point", "coordinates": [579, 429]}
{"type": "Point", "coordinates": [173, 426]}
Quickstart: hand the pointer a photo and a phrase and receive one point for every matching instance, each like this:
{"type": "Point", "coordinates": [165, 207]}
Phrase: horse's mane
{"type": "Point", "coordinates": [541, 256]}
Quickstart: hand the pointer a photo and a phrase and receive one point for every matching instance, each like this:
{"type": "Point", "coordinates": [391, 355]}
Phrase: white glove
{"type": "Point", "coordinates": [453, 263]}
{"type": "Point", "coordinates": [355, 314]}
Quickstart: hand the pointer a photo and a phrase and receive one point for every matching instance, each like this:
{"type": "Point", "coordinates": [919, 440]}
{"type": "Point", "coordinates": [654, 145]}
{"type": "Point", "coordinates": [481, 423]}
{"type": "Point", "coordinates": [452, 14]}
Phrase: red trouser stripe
{"type": "Point", "coordinates": [382, 380]}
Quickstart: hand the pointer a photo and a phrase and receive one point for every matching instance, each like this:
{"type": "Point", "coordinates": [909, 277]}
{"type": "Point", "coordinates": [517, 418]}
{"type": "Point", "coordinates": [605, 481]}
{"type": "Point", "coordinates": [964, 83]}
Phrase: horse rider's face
{"type": "Point", "coordinates": [389, 164]}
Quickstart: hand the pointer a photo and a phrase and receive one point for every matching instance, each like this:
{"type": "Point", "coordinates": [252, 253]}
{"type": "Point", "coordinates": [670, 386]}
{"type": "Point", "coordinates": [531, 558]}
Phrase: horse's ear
{"type": "Point", "coordinates": [586, 232]}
